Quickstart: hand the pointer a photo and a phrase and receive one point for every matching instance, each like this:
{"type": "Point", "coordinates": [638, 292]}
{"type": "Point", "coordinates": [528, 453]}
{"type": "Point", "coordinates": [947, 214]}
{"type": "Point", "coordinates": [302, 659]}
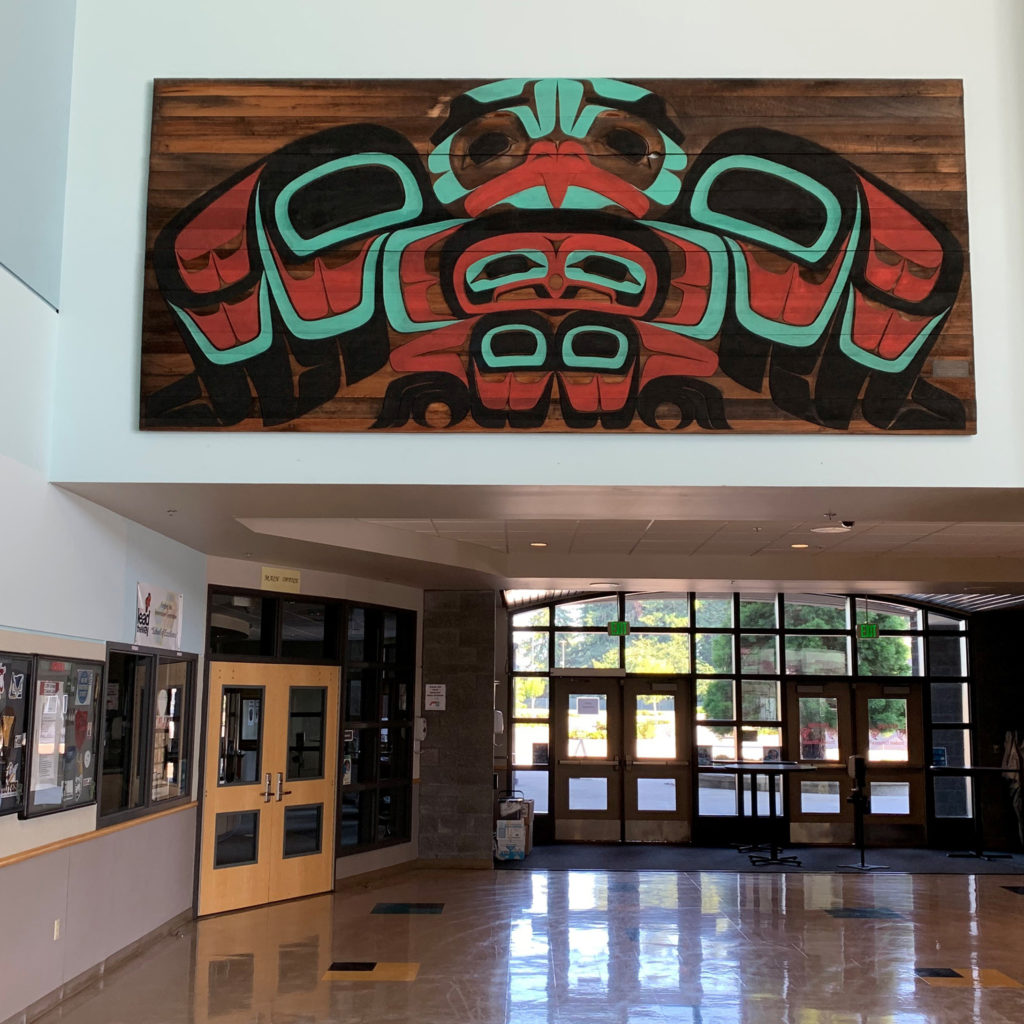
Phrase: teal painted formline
{"type": "Point", "coordinates": [506, 89]}
{"type": "Point", "coordinates": [876, 362]}
{"type": "Point", "coordinates": [328, 326]}
{"type": "Point", "coordinates": [604, 363]}
{"type": "Point", "coordinates": [226, 357]}
{"type": "Point", "coordinates": [638, 273]}
{"type": "Point", "coordinates": [411, 208]}
{"type": "Point", "coordinates": [790, 334]}
{"type": "Point", "coordinates": [613, 89]}
{"type": "Point", "coordinates": [490, 283]}
{"type": "Point", "coordinates": [711, 323]}
{"type": "Point", "coordinates": [537, 358]}
{"type": "Point", "coordinates": [447, 188]}
{"type": "Point", "coordinates": [398, 315]}
{"type": "Point", "coordinates": [700, 210]}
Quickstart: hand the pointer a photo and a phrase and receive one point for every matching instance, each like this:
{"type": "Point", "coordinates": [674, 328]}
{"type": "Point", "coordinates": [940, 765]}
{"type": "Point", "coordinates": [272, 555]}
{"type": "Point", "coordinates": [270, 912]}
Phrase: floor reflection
{"type": "Point", "coordinates": [596, 947]}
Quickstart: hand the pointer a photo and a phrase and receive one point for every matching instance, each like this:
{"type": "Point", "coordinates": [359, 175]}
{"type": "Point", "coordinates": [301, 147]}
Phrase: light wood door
{"type": "Point", "coordinates": [269, 789]}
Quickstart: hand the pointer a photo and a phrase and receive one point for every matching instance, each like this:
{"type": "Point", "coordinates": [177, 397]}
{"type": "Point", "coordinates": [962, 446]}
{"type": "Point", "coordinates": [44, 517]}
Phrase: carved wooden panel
{"type": "Point", "coordinates": [769, 256]}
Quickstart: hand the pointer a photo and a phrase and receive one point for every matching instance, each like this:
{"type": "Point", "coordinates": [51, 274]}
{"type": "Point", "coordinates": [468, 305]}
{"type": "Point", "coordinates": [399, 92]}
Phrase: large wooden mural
{"type": "Point", "coordinates": [558, 255]}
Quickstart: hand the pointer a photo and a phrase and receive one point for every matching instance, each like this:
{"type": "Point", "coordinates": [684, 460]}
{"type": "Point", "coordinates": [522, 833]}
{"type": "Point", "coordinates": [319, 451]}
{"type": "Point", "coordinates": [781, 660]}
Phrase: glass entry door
{"type": "Point", "coordinates": [621, 762]}
{"type": "Point", "coordinates": [269, 785]}
{"type": "Point", "coordinates": [879, 721]}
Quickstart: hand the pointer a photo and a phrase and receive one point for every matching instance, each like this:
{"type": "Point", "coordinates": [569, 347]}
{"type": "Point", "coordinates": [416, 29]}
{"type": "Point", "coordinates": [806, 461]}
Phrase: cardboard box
{"type": "Point", "coordinates": [510, 839]}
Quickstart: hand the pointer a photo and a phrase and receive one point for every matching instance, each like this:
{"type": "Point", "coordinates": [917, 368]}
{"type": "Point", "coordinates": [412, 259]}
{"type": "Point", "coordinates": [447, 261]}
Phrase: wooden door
{"type": "Point", "coordinates": [269, 789]}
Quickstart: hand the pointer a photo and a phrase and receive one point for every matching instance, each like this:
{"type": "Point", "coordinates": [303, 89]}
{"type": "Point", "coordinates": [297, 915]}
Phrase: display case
{"type": "Point", "coordinates": [62, 739]}
{"type": "Point", "coordinates": [15, 698]}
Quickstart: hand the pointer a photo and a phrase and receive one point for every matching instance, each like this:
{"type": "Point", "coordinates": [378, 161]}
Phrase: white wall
{"type": "Point", "coordinates": [122, 45]}
{"type": "Point", "coordinates": [35, 74]}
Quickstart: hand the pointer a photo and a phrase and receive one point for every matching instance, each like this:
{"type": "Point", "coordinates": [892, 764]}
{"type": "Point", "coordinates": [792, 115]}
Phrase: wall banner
{"type": "Point", "coordinates": [158, 617]}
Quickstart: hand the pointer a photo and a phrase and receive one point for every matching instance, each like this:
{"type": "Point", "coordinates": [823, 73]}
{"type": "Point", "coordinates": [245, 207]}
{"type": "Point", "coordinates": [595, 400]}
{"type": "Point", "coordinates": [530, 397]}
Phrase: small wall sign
{"type": "Point", "coordinates": [287, 580]}
{"type": "Point", "coordinates": [434, 696]}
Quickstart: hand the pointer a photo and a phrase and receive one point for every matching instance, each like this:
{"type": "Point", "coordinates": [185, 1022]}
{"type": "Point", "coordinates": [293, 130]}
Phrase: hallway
{"type": "Point", "coordinates": [524, 947]}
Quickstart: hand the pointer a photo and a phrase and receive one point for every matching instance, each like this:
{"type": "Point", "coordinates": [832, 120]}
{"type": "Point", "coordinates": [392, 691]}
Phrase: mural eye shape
{"type": "Point", "coordinates": [506, 266]}
{"type": "Point", "coordinates": [487, 147]}
{"type": "Point", "coordinates": [610, 270]}
{"type": "Point", "coordinates": [627, 144]}
{"type": "Point", "coordinates": [595, 346]}
{"type": "Point", "coordinates": [513, 344]}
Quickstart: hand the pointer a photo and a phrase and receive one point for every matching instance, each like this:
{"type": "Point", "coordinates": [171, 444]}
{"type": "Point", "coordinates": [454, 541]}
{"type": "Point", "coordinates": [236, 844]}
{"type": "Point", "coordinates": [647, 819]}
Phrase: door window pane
{"type": "Point", "coordinates": [361, 695]}
{"type": "Point", "coordinates": [949, 702]}
{"type": "Point", "coordinates": [656, 726]}
{"type": "Point", "coordinates": [236, 839]}
{"type": "Point", "coordinates": [759, 653]}
{"type": "Point", "coordinates": [170, 762]}
{"type": "Point", "coordinates": [817, 655]}
{"type": "Point", "coordinates": [534, 786]}
{"type": "Point", "coordinates": [714, 610]}
{"type": "Point", "coordinates": [529, 651]}
{"type": "Point", "coordinates": [393, 753]}
{"type": "Point", "coordinates": [125, 775]}
{"type": "Point", "coordinates": [359, 756]}
{"type": "Point", "coordinates": [819, 737]}
{"type": "Point", "coordinates": [530, 697]}
{"type": "Point", "coordinates": [715, 700]}
{"type": "Point", "coordinates": [760, 700]}
{"type": "Point", "coordinates": [887, 729]}
{"type": "Point", "coordinates": [890, 656]}
{"type": "Point", "coordinates": [814, 611]}
{"type": "Point", "coordinates": [656, 795]}
{"type": "Point", "coordinates": [303, 629]}
{"type": "Point", "coordinates": [716, 794]}
{"type": "Point", "coordinates": [658, 653]}
{"type": "Point", "coordinates": [713, 652]}
{"type": "Point", "coordinates": [953, 797]}
{"type": "Point", "coordinates": [597, 612]}
{"type": "Point", "coordinates": [586, 650]}
{"type": "Point", "coordinates": [947, 655]}
{"type": "Point", "coordinates": [820, 798]}
{"type": "Point", "coordinates": [664, 610]}
{"type": "Point", "coordinates": [303, 830]}
{"type": "Point", "coordinates": [951, 748]}
{"type": "Point", "coordinates": [393, 814]}
{"type": "Point", "coordinates": [241, 724]}
{"type": "Point", "coordinates": [757, 612]}
{"type": "Point", "coordinates": [588, 794]}
{"type": "Point", "coordinates": [357, 817]}
{"type": "Point", "coordinates": [889, 797]}
{"type": "Point", "coordinates": [587, 725]}
{"type": "Point", "coordinates": [307, 706]}
{"type": "Point", "coordinates": [531, 743]}
{"type": "Point", "coordinates": [236, 624]}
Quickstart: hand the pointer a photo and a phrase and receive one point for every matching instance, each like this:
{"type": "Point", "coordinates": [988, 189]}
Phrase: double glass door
{"type": "Point", "coordinates": [621, 759]}
{"type": "Point", "coordinates": [881, 722]}
{"type": "Point", "coordinates": [269, 785]}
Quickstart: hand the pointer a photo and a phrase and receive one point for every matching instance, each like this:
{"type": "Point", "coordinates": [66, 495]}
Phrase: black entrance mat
{"type": "Point", "coordinates": [643, 857]}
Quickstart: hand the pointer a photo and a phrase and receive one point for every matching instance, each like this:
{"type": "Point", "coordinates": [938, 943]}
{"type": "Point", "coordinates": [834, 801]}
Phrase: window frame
{"type": "Point", "coordinates": [149, 806]}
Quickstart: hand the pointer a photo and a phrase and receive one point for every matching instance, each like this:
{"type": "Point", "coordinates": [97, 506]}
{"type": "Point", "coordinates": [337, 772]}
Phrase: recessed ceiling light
{"type": "Point", "coordinates": [799, 545]}
{"type": "Point", "coordinates": [605, 585]}
{"type": "Point", "coordinates": [538, 543]}
{"type": "Point", "coordinates": [830, 529]}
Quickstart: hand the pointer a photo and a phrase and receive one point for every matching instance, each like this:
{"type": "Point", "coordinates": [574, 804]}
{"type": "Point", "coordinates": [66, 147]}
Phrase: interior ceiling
{"type": "Point", "coordinates": [924, 541]}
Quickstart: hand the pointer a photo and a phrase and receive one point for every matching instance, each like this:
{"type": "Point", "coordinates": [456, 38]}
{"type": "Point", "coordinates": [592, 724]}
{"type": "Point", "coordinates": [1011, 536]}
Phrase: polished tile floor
{"type": "Point", "coordinates": [592, 946]}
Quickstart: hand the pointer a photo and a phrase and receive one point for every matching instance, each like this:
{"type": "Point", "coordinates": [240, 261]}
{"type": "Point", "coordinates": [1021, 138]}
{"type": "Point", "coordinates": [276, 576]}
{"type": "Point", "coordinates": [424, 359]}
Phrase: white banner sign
{"type": "Point", "coordinates": [158, 615]}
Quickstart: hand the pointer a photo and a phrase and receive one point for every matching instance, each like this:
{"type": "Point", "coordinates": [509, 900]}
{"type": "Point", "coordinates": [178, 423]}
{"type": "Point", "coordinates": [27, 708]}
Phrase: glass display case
{"type": "Point", "coordinates": [63, 735]}
{"type": "Point", "coordinates": [15, 695]}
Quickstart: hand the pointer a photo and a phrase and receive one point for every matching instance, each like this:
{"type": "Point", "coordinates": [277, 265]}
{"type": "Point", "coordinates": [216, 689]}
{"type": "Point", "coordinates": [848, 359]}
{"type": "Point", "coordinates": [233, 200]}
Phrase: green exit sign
{"type": "Point", "coordinates": [868, 631]}
{"type": "Point", "coordinates": [618, 629]}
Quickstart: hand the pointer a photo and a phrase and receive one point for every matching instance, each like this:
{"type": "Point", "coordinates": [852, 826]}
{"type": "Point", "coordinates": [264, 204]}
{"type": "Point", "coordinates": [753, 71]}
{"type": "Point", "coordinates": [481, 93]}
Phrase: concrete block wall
{"type": "Point", "coordinates": [456, 757]}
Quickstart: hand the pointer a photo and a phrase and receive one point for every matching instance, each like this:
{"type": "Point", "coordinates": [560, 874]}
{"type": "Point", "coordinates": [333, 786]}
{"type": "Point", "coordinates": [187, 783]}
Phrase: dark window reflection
{"type": "Point", "coordinates": [237, 839]}
{"type": "Point", "coordinates": [241, 722]}
{"type": "Point", "coordinates": [303, 830]}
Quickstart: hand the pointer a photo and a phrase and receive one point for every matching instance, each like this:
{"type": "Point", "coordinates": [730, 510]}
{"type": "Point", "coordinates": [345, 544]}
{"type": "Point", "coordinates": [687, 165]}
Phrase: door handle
{"type": "Point", "coordinates": [266, 791]}
{"type": "Point", "coordinates": [281, 791]}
